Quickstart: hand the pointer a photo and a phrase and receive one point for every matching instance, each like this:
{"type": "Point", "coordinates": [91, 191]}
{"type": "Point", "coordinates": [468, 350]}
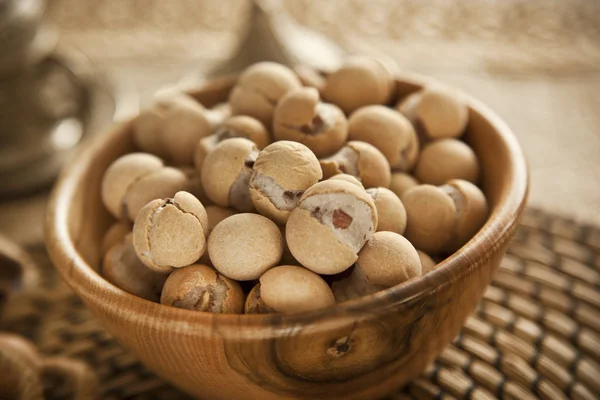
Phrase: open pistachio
{"type": "Point", "coordinates": [330, 225]}
{"type": "Point", "coordinates": [226, 174]}
{"type": "Point", "coordinates": [201, 288]}
{"type": "Point", "coordinates": [171, 233]}
{"type": "Point", "coordinates": [237, 126]}
{"type": "Point", "coordinates": [282, 172]}
{"type": "Point", "coordinates": [301, 117]}
{"type": "Point", "coordinates": [123, 268]}
{"type": "Point", "coordinates": [361, 160]}
{"type": "Point", "coordinates": [471, 211]}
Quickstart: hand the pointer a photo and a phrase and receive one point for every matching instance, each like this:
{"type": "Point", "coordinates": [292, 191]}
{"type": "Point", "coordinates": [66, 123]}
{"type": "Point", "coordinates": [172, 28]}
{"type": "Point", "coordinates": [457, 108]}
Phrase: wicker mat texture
{"type": "Point", "coordinates": [536, 334]}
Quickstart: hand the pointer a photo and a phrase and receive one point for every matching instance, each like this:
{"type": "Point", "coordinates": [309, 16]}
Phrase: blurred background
{"type": "Point", "coordinates": [536, 63]}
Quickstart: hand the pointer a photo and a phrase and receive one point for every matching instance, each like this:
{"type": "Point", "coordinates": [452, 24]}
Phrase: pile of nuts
{"type": "Point", "coordinates": [302, 191]}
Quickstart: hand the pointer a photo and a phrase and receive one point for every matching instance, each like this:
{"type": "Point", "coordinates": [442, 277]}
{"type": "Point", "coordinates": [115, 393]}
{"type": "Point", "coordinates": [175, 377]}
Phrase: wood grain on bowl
{"type": "Point", "coordinates": [362, 349]}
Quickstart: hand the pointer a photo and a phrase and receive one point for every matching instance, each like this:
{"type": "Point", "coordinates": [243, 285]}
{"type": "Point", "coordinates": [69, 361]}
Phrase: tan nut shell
{"type": "Point", "coordinates": [259, 88]}
{"type": "Point", "coordinates": [215, 215]}
{"type": "Point", "coordinates": [184, 124]}
{"type": "Point", "coordinates": [289, 165]}
{"type": "Point", "coordinates": [389, 131]}
{"type": "Point", "coordinates": [348, 178]}
{"type": "Point", "coordinates": [401, 182]}
{"type": "Point", "coordinates": [237, 126]}
{"type": "Point", "coordinates": [244, 246]}
{"type": "Point", "coordinates": [427, 263]}
{"type": "Point", "coordinates": [157, 185]}
{"type": "Point", "coordinates": [222, 168]}
{"type": "Point", "coordinates": [254, 302]}
{"type": "Point", "coordinates": [171, 233]}
{"type": "Point", "coordinates": [115, 235]}
{"type": "Point", "coordinates": [313, 243]}
{"type": "Point", "coordinates": [200, 288]}
{"type": "Point", "coordinates": [446, 159]}
{"type": "Point", "coordinates": [289, 289]}
{"type": "Point", "coordinates": [373, 167]}
{"type": "Point", "coordinates": [119, 177]}
{"type": "Point", "coordinates": [431, 218]}
{"type": "Point", "coordinates": [409, 105]}
{"type": "Point", "coordinates": [122, 268]}
{"type": "Point", "coordinates": [194, 184]}
{"type": "Point", "coordinates": [147, 131]}
{"type": "Point", "coordinates": [442, 113]}
{"type": "Point", "coordinates": [472, 210]}
{"type": "Point", "coordinates": [360, 82]}
{"type": "Point", "coordinates": [310, 77]}
{"type": "Point", "coordinates": [301, 117]}
{"type": "Point", "coordinates": [388, 259]}
{"type": "Point", "coordinates": [390, 210]}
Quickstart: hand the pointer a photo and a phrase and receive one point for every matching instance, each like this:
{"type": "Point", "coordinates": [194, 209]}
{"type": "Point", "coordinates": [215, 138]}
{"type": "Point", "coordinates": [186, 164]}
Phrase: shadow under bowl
{"type": "Point", "coordinates": [362, 349]}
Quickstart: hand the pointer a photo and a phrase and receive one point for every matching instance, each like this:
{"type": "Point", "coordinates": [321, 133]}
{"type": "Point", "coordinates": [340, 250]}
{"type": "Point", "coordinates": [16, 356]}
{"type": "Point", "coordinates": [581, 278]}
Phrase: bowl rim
{"type": "Point", "coordinates": [502, 220]}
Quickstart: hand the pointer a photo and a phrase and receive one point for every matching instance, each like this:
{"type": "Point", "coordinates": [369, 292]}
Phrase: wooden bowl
{"type": "Point", "coordinates": [362, 349]}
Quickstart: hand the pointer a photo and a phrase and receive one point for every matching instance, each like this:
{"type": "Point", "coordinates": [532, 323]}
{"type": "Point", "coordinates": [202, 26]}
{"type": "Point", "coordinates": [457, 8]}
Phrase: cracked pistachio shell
{"type": "Point", "coordinates": [157, 185]}
{"type": "Point", "coordinates": [471, 207]}
{"type": "Point", "coordinates": [259, 88]}
{"type": "Point", "coordinates": [122, 268]}
{"type": "Point", "coordinates": [390, 210]}
{"type": "Point", "coordinates": [289, 289]}
{"type": "Point", "coordinates": [226, 174]}
{"type": "Point", "coordinates": [330, 225]}
{"type": "Point", "coordinates": [431, 218]}
{"type": "Point", "coordinates": [201, 288]}
{"type": "Point", "coordinates": [121, 174]}
{"type": "Point", "coordinates": [361, 160]}
{"type": "Point", "coordinates": [389, 131]}
{"type": "Point", "coordinates": [360, 82]}
{"type": "Point", "coordinates": [301, 117]}
{"type": "Point", "coordinates": [240, 126]}
{"type": "Point", "coordinates": [171, 233]}
{"type": "Point", "coordinates": [282, 172]}
{"type": "Point", "coordinates": [244, 246]}
{"type": "Point", "coordinates": [446, 159]}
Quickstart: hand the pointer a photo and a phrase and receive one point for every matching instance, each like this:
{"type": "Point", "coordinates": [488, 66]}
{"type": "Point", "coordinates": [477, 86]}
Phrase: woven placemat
{"type": "Point", "coordinates": [536, 334]}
